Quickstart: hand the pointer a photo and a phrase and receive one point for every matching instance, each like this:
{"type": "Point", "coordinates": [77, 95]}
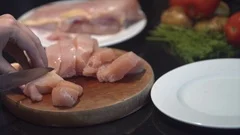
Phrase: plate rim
{"type": "Point", "coordinates": [179, 119]}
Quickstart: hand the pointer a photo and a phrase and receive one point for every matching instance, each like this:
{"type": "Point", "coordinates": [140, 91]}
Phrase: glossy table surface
{"type": "Point", "coordinates": [146, 121]}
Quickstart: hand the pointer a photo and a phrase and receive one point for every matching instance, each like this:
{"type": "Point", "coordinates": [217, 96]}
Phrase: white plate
{"type": "Point", "coordinates": [103, 40]}
{"type": "Point", "coordinates": [205, 93]}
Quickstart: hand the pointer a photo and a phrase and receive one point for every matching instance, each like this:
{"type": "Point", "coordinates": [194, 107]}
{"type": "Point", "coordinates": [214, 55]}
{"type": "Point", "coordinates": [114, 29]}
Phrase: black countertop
{"type": "Point", "coordinates": [146, 121]}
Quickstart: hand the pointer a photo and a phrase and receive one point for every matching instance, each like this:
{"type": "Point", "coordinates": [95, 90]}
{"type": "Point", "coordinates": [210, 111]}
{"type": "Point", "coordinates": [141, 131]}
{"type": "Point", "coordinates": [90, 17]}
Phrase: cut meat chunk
{"type": "Point", "coordinates": [138, 68]}
{"type": "Point", "coordinates": [120, 67]}
{"type": "Point", "coordinates": [85, 46]}
{"type": "Point", "coordinates": [66, 94]}
{"type": "Point", "coordinates": [99, 57]}
{"type": "Point", "coordinates": [16, 66]}
{"type": "Point", "coordinates": [54, 57]}
{"type": "Point", "coordinates": [68, 58]}
{"type": "Point", "coordinates": [43, 85]}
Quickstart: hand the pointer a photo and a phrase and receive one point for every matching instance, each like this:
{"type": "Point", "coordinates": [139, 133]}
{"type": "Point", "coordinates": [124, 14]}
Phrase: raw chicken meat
{"type": "Point", "coordinates": [53, 53]}
{"type": "Point", "coordinates": [99, 57]}
{"type": "Point", "coordinates": [63, 93]}
{"type": "Point", "coordinates": [58, 35]}
{"type": "Point", "coordinates": [90, 60]}
{"type": "Point", "coordinates": [138, 68]}
{"type": "Point", "coordinates": [66, 94]}
{"type": "Point", "coordinates": [120, 67]}
{"type": "Point", "coordinates": [85, 46]}
{"type": "Point", "coordinates": [79, 56]}
{"type": "Point", "coordinates": [43, 85]}
{"type": "Point", "coordinates": [69, 56]}
{"type": "Point", "coordinates": [93, 17]}
{"type": "Point", "coordinates": [16, 66]}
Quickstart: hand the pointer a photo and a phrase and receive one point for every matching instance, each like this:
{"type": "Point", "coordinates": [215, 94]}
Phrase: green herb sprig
{"type": "Point", "coordinates": [190, 45]}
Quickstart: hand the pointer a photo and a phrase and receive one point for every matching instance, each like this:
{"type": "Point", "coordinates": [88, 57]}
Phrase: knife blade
{"type": "Point", "coordinates": [12, 80]}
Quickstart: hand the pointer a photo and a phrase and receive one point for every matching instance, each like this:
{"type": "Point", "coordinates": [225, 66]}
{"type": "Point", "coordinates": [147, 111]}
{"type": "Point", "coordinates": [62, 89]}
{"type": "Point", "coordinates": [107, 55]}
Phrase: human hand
{"type": "Point", "coordinates": [15, 38]}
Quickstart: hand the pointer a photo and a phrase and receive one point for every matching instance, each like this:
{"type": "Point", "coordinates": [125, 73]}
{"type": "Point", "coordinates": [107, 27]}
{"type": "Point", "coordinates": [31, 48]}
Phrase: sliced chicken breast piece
{"type": "Point", "coordinates": [42, 85]}
{"type": "Point", "coordinates": [54, 57]}
{"type": "Point", "coordinates": [120, 67]}
{"type": "Point", "coordinates": [99, 57]}
{"type": "Point", "coordinates": [68, 58]}
{"type": "Point", "coordinates": [85, 46]}
{"type": "Point", "coordinates": [66, 94]}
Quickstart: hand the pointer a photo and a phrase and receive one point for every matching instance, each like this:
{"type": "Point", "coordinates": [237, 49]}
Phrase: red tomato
{"type": "Point", "coordinates": [197, 8]}
{"type": "Point", "coordinates": [232, 29]}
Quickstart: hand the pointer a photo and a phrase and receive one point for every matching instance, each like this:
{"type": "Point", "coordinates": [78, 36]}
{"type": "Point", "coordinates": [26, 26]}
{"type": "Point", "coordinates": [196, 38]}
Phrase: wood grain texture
{"type": "Point", "coordinates": [100, 102]}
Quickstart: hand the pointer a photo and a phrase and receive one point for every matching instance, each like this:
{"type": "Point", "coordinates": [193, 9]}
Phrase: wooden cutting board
{"type": "Point", "coordinates": [100, 102]}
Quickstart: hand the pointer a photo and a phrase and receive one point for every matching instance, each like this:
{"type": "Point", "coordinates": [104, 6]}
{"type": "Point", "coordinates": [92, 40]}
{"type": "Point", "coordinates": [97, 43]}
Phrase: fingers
{"type": "Point", "coordinates": [25, 43]}
{"type": "Point", "coordinates": [5, 67]}
{"type": "Point", "coordinates": [18, 55]}
{"type": "Point", "coordinates": [37, 42]}
{"type": "Point", "coordinates": [19, 36]}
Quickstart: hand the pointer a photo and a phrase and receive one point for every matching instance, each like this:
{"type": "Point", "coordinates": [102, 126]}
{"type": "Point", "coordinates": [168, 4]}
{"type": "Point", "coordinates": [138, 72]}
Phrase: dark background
{"type": "Point", "coordinates": [146, 121]}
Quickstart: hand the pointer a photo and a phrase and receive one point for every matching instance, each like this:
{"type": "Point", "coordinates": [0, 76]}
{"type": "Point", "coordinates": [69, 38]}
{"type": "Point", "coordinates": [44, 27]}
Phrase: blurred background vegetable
{"type": "Point", "coordinates": [215, 24]}
{"type": "Point", "coordinates": [222, 9]}
{"type": "Point", "coordinates": [189, 45]}
{"type": "Point", "coordinates": [176, 16]}
{"type": "Point", "coordinates": [197, 9]}
{"type": "Point", "coordinates": [232, 29]}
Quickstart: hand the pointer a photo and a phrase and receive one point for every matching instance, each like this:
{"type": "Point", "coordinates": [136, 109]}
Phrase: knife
{"type": "Point", "coordinates": [12, 80]}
